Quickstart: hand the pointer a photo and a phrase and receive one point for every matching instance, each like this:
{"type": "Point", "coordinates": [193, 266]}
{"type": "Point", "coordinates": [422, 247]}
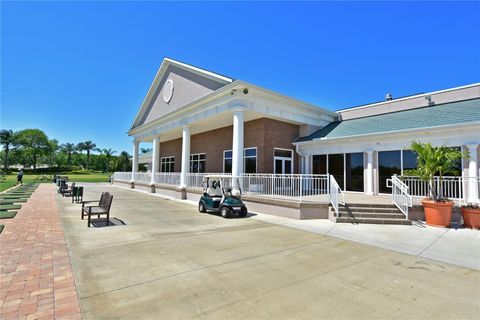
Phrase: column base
{"type": "Point", "coordinates": [132, 184]}
{"type": "Point", "coordinates": [183, 192]}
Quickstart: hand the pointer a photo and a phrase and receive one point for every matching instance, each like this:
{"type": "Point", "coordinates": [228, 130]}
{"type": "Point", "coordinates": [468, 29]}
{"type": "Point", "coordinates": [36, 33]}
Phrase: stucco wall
{"type": "Point", "coordinates": [265, 134]}
{"type": "Point", "coordinates": [188, 87]}
{"type": "Point", "coordinates": [411, 103]}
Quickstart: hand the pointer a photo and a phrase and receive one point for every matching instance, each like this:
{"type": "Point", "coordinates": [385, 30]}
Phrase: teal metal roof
{"type": "Point", "coordinates": [426, 117]}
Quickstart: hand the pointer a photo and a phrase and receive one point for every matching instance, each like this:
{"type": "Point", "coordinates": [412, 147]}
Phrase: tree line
{"type": "Point", "coordinates": [32, 148]}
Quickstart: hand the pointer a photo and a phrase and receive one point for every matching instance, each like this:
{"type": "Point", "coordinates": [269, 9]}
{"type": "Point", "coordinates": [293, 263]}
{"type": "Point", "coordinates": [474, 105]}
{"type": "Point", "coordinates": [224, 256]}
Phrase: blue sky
{"type": "Point", "coordinates": [80, 71]}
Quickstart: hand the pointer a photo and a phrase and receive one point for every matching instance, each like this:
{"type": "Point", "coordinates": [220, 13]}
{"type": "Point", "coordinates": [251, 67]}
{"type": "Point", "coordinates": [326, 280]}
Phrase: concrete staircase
{"type": "Point", "coordinates": [369, 213]}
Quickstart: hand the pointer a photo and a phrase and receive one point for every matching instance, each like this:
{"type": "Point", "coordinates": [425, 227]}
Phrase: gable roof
{"type": "Point", "coordinates": [467, 111]}
{"type": "Point", "coordinates": [166, 63]}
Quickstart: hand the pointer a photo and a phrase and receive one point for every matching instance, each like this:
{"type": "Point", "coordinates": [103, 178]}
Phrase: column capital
{"type": "Point", "coordinates": [135, 141]}
{"type": "Point", "coordinates": [238, 108]}
{"type": "Point", "coordinates": [472, 145]}
{"type": "Point", "coordinates": [369, 151]}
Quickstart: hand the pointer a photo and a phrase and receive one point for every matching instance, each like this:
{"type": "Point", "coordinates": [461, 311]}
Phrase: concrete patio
{"type": "Point", "coordinates": [169, 261]}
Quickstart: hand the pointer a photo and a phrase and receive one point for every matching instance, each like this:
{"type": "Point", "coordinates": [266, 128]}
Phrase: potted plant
{"type": "Point", "coordinates": [471, 215]}
{"type": "Point", "coordinates": [432, 161]}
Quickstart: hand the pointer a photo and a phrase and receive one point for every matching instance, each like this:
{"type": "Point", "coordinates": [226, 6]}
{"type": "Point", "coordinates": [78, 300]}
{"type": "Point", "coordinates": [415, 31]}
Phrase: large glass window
{"type": "Point", "coordinates": [335, 168]}
{"type": "Point", "coordinates": [389, 163]}
{"type": "Point", "coordinates": [249, 160]}
{"type": "Point", "coordinates": [167, 164]}
{"type": "Point", "coordinates": [227, 161]}
{"type": "Point", "coordinates": [319, 164]}
{"type": "Point", "coordinates": [197, 162]}
{"type": "Point", "coordinates": [457, 167]}
{"type": "Point", "coordinates": [354, 171]}
{"type": "Point", "coordinates": [409, 161]}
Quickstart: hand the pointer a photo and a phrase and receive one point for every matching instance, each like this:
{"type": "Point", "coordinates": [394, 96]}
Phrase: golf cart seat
{"type": "Point", "coordinates": [214, 192]}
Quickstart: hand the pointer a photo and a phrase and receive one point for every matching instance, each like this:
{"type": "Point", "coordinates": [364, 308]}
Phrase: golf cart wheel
{"type": "Point", "coordinates": [201, 207]}
{"type": "Point", "coordinates": [225, 212]}
{"type": "Point", "coordinates": [243, 212]}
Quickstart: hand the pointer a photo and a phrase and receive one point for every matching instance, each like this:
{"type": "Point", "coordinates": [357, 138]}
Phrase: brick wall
{"type": "Point", "coordinates": [265, 134]}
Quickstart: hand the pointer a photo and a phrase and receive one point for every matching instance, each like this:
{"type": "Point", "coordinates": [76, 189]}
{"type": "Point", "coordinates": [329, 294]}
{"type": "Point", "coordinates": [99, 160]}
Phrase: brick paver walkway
{"type": "Point", "coordinates": [36, 277]}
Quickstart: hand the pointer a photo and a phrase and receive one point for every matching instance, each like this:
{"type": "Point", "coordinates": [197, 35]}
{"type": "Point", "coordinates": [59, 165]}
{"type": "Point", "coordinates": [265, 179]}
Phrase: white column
{"type": "Point", "coordinates": [472, 172]}
{"type": "Point", "coordinates": [237, 146]}
{"type": "Point", "coordinates": [237, 149]}
{"type": "Point", "coordinates": [369, 190]}
{"type": "Point", "coordinates": [308, 164]}
{"type": "Point", "coordinates": [185, 156]}
{"type": "Point", "coordinates": [155, 158]}
{"type": "Point", "coordinates": [135, 158]}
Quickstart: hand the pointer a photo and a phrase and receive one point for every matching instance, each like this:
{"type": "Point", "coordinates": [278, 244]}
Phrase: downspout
{"type": "Point", "coordinates": [303, 158]}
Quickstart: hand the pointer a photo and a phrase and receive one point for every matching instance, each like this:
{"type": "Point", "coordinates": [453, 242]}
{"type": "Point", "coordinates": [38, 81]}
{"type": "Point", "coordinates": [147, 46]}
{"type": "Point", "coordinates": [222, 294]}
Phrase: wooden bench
{"type": "Point", "coordinates": [102, 208]}
{"type": "Point", "coordinates": [68, 191]}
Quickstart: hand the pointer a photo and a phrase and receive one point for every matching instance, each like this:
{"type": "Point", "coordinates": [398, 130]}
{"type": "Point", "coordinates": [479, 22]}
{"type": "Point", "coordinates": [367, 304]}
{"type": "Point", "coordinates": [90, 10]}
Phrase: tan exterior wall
{"type": "Point", "coordinates": [265, 134]}
{"type": "Point", "coordinates": [411, 103]}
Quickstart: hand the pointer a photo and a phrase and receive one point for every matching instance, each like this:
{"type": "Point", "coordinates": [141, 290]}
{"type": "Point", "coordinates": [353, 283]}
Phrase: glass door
{"type": "Point", "coordinates": [283, 161]}
{"type": "Point", "coordinates": [336, 168]}
{"type": "Point", "coordinates": [354, 171]}
{"type": "Point", "coordinates": [389, 163]}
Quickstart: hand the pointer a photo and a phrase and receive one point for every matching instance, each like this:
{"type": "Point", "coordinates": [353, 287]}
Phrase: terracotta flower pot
{"type": "Point", "coordinates": [438, 214]}
{"type": "Point", "coordinates": [471, 217]}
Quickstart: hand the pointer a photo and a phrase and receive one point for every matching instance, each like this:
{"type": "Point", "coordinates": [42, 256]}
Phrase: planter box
{"type": "Point", "coordinates": [471, 218]}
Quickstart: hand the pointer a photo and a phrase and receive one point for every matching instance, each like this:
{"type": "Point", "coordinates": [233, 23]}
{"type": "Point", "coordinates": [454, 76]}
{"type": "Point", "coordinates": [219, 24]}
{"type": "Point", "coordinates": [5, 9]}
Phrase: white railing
{"type": "Point", "coordinates": [299, 187]}
{"type": "Point", "coordinates": [122, 176]}
{"type": "Point", "coordinates": [143, 177]}
{"type": "Point", "coordinates": [171, 178]}
{"type": "Point", "coordinates": [336, 195]}
{"type": "Point", "coordinates": [400, 195]}
{"type": "Point", "coordinates": [296, 187]}
{"type": "Point", "coordinates": [452, 187]}
{"type": "Point", "coordinates": [195, 180]}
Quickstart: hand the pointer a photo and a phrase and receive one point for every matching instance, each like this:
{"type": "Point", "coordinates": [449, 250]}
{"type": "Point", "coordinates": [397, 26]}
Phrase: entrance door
{"type": "Point", "coordinates": [283, 161]}
{"type": "Point", "coordinates": [336, 168]}
{"type": "Point", "coordinates": [389, 163]}
{"type": "Point", "coordinates": [283, 165]}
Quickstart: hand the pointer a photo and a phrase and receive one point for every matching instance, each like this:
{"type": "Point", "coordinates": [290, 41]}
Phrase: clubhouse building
{"type": "Point", "coordinates": [289, 153]}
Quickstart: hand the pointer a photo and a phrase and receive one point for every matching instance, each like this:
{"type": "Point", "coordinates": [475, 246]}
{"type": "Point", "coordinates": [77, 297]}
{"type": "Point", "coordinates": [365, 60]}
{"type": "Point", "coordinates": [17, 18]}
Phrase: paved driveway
{"type": "Point", "coordinates": [171, 262]}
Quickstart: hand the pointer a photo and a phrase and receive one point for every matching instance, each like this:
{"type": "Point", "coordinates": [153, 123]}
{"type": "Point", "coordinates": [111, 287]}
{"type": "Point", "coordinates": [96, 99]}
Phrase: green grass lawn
{"type": "Point", "coordinates": [90, 177]}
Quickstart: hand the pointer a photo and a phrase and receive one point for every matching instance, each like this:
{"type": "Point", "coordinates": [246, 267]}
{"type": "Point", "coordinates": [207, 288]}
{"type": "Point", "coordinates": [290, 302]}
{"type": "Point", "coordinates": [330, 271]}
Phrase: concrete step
{"type": "Point", "coordinates": [374, 221]}
{"type": "Point", "coordinates": [375, 215]}
{"type": "Point", "coordinates": [371, 210]}
{"type": "Point", "coordinates": [369, 205]}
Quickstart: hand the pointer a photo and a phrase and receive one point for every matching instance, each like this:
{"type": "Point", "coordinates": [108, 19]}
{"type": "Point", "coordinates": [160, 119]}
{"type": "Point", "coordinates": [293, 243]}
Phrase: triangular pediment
{"type": "Point", "coordinates": [176, 85]}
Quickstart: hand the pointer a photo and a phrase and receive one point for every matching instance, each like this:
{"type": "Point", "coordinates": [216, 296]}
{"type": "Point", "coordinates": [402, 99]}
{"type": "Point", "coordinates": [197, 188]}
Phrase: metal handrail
{"type": "Point", "coordinates": [400, 195]}
{"type": "Point", "coordinates": [334, 194]}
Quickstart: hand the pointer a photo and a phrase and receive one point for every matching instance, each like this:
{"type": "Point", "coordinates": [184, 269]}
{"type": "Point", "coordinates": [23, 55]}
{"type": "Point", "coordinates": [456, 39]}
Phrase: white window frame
{"type": "Point", "coordinates": [244, 149]}
{"type": "Point", "coordinates": [163, 160]}
{"type": "Point", "coordinates": [292, 159]}
{"type": "Point", "coordinates": [197, 154]}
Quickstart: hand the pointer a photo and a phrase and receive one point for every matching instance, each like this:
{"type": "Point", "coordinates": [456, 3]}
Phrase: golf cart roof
{"type": "Point", "coordinates": [217, 176]}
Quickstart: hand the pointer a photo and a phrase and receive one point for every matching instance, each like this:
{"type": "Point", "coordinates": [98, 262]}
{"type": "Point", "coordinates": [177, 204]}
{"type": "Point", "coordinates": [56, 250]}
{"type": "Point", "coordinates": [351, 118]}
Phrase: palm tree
{"type": "Point", "coordinates": [125, 158]}
{"type": "Point", "coordinates": [108, 155]}
{"type": "Point", "coordinates": [69, 149]}
{"type": "Point", "coordinates": [6, 139]}
{"type": "Point", "coordinates": [88, 146]}
{"type": "Point", "coordinates": [432, 161]}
